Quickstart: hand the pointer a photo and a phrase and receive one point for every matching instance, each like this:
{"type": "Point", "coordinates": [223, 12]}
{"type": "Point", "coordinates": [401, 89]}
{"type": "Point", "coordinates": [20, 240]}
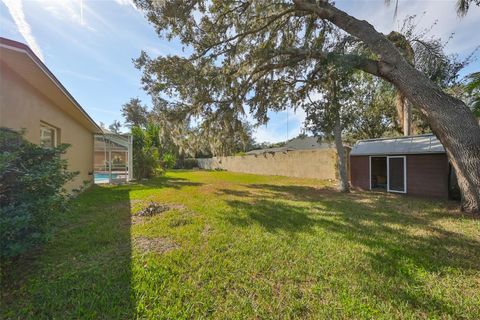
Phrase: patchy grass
{"type": "Point", "coordinates": [235, 246]}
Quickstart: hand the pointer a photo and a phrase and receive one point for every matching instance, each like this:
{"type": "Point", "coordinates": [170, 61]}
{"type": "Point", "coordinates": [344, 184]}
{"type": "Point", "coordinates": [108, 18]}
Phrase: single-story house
{"type": "Point", "coordinates": [32, 98]}
{"type": "Point", "coordinates": [415, 165]}
{"type": "Point", "coordinates": [306, 143]}
{"type": "Point", "coordinates": [300, 143]}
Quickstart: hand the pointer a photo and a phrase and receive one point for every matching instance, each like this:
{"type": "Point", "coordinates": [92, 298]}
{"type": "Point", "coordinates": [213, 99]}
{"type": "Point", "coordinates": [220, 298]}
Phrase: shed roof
{"type": "Point", "coordinates": [419, 144]}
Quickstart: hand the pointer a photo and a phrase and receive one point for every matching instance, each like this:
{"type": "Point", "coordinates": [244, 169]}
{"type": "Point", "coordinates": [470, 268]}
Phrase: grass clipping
{"type": "Point", "coordinates": [152, 209]}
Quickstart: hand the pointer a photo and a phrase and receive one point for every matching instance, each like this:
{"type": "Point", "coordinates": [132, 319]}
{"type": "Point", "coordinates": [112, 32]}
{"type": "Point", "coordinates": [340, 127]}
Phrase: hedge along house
{"type": "Point", "coordinates": [32, 98]}
{"type": "Point", "coordinates": [415, 165]}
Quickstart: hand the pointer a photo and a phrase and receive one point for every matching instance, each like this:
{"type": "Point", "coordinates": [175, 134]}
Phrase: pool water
{"type": "Point", "coordinates": [104, 177]}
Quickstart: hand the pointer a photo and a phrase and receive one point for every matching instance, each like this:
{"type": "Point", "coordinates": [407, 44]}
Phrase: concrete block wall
{"type": "Point", "coordinates": [314, 163]}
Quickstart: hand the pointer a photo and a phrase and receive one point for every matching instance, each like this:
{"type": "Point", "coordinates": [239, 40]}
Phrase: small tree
{"type": "Point", "coordinates": [31, 191]}
{"type": "Point", "coordinates": [325, 116]}
{"type": "Point", "coordinates": [146, 159]}
{"type": "Point", "coordinates": [169, 160]}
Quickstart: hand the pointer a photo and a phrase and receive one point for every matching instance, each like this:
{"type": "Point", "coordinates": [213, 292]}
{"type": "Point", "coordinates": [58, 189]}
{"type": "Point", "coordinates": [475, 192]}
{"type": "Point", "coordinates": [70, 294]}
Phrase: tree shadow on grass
{"type": "Point", "coordinates": [85, 270]}
{"type": "Point", "coordinates": [233, 192]}
{"type": "Point", "coordinates": [403, 244]}
{"type": "Point", "coordinates": [272, 216]}
{"type": "Point", "coordinates": [380, 220]}
{"type": "Point", "coordinates": [164, 182]}
{"type": "Point", "coordinates": [405, 247]}
{"type": "Point", "coordinates": [293, 192]}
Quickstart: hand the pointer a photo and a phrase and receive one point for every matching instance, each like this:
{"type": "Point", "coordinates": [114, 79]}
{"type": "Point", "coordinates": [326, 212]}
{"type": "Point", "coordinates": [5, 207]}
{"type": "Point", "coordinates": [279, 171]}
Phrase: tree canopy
{"type": "Point", "coordinates": [260, 55]}
{"type": "Point", "coordinates": [135, 113]}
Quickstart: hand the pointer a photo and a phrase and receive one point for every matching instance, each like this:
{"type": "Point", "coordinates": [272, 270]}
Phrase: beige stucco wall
{"type": "Point", "coordinates": [317, 164]}
{"type": "Point", "coordinates": [23, 106]}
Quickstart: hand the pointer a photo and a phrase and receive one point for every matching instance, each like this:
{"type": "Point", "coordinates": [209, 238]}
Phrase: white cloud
{"type": "Point", "coordinates": [15, 7]}
{"type": "Point", "coordinates": [299, 115]}
{"type": "Point", "coordinates": [428, 12]}
{"type": "Point", "coordinates": [126, 3]}
{"type": "Point", "coordinates": [281, 128]}
{"type": "Point", "coordinates": [80, 75]}
{"type": "Point", "coordinates": [70, 11]}
{"type": "Point", "coordinates": [266, 134]}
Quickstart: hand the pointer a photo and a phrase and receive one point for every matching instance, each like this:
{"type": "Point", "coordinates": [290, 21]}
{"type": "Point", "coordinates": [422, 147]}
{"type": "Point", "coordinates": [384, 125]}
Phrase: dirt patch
{"type": "Point", "coordinates": [157, 245]}
{"type": "Point", "coordinates": [137, 220]}
{"type": "Point", "coordinates": [154, 208]}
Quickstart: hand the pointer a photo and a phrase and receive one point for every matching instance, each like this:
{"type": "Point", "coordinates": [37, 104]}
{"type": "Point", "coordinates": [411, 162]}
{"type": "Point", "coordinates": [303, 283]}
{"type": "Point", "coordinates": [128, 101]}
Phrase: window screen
{"type": "Point", "coordinates": [48, 136]}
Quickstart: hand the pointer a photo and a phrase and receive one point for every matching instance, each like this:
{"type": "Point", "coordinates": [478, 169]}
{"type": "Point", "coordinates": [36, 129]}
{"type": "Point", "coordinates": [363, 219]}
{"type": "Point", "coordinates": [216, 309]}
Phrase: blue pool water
{"type": "Point", "coordinates": [103, 177]}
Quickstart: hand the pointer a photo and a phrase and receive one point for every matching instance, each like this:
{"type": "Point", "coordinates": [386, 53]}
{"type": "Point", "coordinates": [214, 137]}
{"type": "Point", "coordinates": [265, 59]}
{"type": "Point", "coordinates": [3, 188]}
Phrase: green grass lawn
{"type": "Point", "coordinates": [236, 246]}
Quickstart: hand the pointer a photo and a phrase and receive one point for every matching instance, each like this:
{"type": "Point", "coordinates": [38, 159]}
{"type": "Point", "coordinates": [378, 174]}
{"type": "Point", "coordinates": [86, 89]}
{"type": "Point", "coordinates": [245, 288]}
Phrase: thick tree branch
{"type": "Point", "coordinates": [351, 60]}
{"type": "Point", "coordinates": [358, 28]}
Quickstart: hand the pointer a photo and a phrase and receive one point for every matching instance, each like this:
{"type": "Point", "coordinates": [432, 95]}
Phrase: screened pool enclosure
{"type": "Point", "coordinates": [113, 158]}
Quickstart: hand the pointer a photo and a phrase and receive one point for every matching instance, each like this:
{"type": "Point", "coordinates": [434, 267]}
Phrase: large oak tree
{"type": "Point", "coordinates": [262, 54]}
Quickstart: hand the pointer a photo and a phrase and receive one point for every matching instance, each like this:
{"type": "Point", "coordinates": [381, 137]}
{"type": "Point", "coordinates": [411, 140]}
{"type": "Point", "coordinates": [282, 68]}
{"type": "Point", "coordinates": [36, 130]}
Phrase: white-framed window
{"type": "Point", "coordinates": [48, 136]}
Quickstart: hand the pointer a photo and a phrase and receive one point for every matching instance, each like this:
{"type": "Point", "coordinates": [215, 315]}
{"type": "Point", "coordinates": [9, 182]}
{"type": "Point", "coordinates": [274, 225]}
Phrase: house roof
{"type": "Point", "coordinates": [23, 61]}
{"type": "Point", "coordinates": [269, 150]}
{"type": "Point", "coordinates": [419, 144]}
{"type": "Point", "coordinates": [116, 141]}
{"type": "Point", "coordinates": [306, 143]}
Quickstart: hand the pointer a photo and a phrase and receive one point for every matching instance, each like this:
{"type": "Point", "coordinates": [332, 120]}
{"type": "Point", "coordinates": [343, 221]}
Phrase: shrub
{"type": "Point", "coordinates": [31, 191]}
{"type": "Point", "coordinates": [145, 151]}
{"type": "Point", "coordinates": [189, 163]}
{"type": "Point", "coordinates": [169, 160]}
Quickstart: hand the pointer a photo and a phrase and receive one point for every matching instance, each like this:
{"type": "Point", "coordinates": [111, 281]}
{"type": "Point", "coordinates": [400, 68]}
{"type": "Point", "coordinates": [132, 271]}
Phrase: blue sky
{"type": "Point", "coordinates": [89, 46]}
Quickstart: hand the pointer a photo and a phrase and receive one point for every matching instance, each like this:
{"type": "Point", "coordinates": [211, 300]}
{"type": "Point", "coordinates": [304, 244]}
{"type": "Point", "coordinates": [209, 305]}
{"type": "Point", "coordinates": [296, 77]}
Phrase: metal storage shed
{"type": "Point", "coordinates": [416, 165]}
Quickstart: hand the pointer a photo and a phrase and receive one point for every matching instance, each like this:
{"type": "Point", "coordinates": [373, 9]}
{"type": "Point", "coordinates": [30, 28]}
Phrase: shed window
{"type": "Point", "coordinates": [48, 136]}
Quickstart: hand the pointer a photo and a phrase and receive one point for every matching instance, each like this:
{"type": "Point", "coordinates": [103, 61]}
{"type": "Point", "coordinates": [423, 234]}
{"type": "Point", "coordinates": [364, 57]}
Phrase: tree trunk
{"type": "Point", "coordinates": [399, 104]}
{"type": "Point", "coordinates": [450, 119]}
{"type": "Point", "coordinates": [407, 118]}
{"type": "Point", "coordinates": [454, 125]}
{"type": "Point", "coordinates": [342, 163]}
{"type": "Point", "coordinates": [404, 113]}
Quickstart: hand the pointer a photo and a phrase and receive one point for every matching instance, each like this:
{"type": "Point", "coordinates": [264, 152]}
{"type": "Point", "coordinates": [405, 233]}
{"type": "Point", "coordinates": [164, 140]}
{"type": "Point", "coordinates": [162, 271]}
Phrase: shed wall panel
{"type": "Point", "coordinates": [427, 175]}
{"type": "Point", "coordinates": [359, 172]}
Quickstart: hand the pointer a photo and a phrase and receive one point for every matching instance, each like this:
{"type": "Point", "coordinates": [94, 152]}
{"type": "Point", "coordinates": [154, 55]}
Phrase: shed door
{"type": "Point", "coordinates": [397, 174]}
